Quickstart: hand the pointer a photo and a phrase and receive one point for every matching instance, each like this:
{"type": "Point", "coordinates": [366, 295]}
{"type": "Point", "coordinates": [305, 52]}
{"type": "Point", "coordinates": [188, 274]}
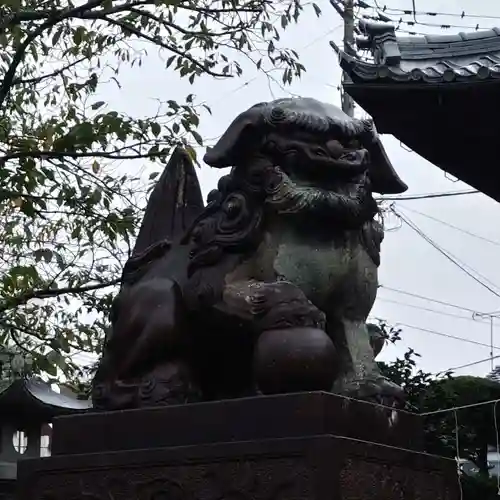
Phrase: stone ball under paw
{"type": "Point", "coordinates": [295, 360]}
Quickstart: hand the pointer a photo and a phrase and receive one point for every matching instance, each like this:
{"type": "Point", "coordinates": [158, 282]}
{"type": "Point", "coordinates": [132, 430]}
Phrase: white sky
{"type": "Point", "coordinates": [408, 262]}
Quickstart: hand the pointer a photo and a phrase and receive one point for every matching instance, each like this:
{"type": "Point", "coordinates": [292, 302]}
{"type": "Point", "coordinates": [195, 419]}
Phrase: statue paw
{"type": "Point", "coordinates": [377, 389]}
{"type": "Point", "coordinates": [294, 360]}
{"type": "Point", "coordinates": [168, 384]}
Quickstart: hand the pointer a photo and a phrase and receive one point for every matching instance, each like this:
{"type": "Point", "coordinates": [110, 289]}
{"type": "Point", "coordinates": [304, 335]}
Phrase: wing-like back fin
{"type": "Point", "coordinates": [173, 205]}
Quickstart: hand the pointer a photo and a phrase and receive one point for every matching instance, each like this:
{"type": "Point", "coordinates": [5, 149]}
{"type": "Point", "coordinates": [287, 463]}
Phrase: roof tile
{"type": "Point", "coordinates": [460, 57]}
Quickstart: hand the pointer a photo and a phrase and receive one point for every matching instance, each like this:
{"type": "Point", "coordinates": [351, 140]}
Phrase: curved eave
{"type": "Point", "coordinates": [36, 400]}
{"type": "Point", "coordinates": [453, 126]}
{"type": "Point", "coordinates": [442, 72]}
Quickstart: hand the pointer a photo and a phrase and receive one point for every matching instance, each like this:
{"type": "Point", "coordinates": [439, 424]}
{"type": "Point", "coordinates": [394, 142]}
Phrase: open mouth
{"type": "Point", "coordinates": [347, 205]}
{"type": "Point", "coordinates": [324, 171]}
{"type": "Point", "coordinates": [305, 160]}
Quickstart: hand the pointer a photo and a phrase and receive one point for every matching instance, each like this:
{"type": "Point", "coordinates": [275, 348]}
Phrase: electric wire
{"type": "Point", "coordinates": [450, 257]}
{"type": "Point", "coordinates": [463, 407]}
{"type": "Point", "coordinates": [407, 12]}
{"type": "Point", "coordinates": [446, 335]}
{"type": "Point", "coordinates": [427, 196]}
{"type": "Point", "coordinates": [423, 297]}
{"type": "Point", "coordinates": [428, 309]}
{"type": "Point", "coordinates": [474, 363]}
{"type": "Point", "coordinates": [414, 227]}
{"type": "Point", "coordinates": [447, 224]}
{"type": "Point", "coordinates": [443, 26]}
{"type": "Point", "coordinates": [381, 16]}
{"type": "Point", "coordinates": [475, 275]}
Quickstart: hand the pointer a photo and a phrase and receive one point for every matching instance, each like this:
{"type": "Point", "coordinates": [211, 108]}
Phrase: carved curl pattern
{"type": "Point", "coordinates": [231, 227]}
{"type": "Point", "coordinates": [229, 230]}
{"type": "Point", "coordinates": [168, 384]}
{"type": "Point", "coordinates": [273, 306]}
{"type": "Point", "coordinates": [278, 114]}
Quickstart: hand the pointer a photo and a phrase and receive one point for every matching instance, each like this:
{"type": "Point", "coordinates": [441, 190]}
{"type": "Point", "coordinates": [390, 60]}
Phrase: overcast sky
{"type": "Point", "coordinates": [409, 263]}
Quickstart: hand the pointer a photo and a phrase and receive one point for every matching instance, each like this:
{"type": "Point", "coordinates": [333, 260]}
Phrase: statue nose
{"type": "Point", "coordinates": [358, 156]}
{"type": "Point", "coordinates": [335, 148]}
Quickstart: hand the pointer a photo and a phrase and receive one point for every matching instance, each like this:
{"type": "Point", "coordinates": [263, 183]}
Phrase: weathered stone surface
{"type": "Point", "coordinates": [317, 453]}
{"type": "Point", "coordinates": [266, 289]}
{"type": "Point", "coordinates": [319, 468]}
{"type": "Point", "coordinates": [267, 417]}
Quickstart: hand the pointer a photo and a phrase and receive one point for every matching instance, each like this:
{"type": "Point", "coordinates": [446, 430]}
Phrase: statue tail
{"type": "Point", "coordinates": [174, 204]}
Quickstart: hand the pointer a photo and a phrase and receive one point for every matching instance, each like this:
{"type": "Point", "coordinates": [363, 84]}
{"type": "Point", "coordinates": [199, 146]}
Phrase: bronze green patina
{"type": "Point", "coordinates": [267, 288]}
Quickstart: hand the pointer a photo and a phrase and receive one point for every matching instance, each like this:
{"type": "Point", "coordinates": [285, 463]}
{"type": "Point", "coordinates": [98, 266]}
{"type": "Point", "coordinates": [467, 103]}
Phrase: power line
{"type": "Point", "coordinates": [396, 24]}
{"type": "Point", "coordinates": [472, 273]}
{"type": "Point", "coordinates": [455, 408]}
{"type": "Point", "coordinates": [461, 265]}
{"type": "Point", "coordinates": [474, 363]}
{"type": "Point", "coordinates": [254, 78]}
{"type": "Point", "coordinates": [406, 12]}
{"type": "Point", "coordinates": [446, 335]}
{"type": "Point", "coordinates": [444, 223]}
{"type": "Point", "coordinates": [423, 297]}
{"type": "Point", "coordinates": [382, 17]}
{"type": "Point", "coordinates": [426, 196]}
{"type": "Point", "coordinates": [435, 311]}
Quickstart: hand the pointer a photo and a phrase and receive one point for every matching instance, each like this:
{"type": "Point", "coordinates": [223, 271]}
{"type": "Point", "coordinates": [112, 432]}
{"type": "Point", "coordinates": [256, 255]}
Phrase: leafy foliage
{"type": "Point", "coordinates": [69, 213]}
{"type": "Point", "coordinates": [403, 371]}
{"type": "Point", "coordinates": [476, 425]}
{"type": "Point", "coordinates": [494, 374]}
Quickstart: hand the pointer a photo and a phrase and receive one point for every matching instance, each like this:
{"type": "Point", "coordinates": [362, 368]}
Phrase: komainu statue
{"type": "Point", "coordinates": [267, 288]}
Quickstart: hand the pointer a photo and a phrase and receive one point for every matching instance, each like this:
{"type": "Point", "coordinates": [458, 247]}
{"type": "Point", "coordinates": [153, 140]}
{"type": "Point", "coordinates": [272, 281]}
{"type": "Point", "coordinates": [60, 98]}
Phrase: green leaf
{"type": "Point", "coordinates": [191, 152]}
{"type": "Point", "coordinates": [155, 129]}
{"type": "Point", "coordinates": [79, 35]}
{"type": "Point", "coordinates": [65, 221]}
{"type": "Point", "coordinates": [57, 35]}
{"type": "Point", "coordinates": [170, 60]}
{"type": "Point", "coordinates": [197, 137]}
{"type": "Point", "coordinates": [98, 105]}
{"type": "Point", "coordinates": [44, 254]}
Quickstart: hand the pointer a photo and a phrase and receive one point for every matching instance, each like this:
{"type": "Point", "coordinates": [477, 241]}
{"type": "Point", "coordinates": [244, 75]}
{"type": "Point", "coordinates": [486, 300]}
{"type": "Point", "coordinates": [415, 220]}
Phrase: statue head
{"type": "Point", "coordinates": [297, 158]}
{"type": "Point", "coordinates": [314, 140]}
{"type": "Point", "coordinates": [308, 157]}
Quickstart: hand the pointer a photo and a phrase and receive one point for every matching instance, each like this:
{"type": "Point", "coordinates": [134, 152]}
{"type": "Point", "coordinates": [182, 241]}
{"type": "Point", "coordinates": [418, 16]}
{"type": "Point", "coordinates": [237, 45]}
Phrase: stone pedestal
{"type": "Point", "coordinates": [312, 446]}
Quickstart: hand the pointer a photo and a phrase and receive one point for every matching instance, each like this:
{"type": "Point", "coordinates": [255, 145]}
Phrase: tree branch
{"type": "Point", "coordinates": [74, 154]}
{"type": "Point", "coordinates": [184, 31]}
{"type": "Point", "coordinates": [38, 79]}
{"type": "Point", "coordinates": [127, 27]}
{"type": "Point", "coordinates": [21, 50]}
{"type": "Point", "coordinates": [8, 194]}
{"type": "Point", "coordinates": [55, 292]}
{"type": "Point", "coordinates": [12, 19]}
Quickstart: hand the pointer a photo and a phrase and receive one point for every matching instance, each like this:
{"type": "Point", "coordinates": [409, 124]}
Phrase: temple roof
{"type": "Point", "coordinates": [34, 400]}
{"type": "Point", "coordinates": [429, 59]}
{"type": "Point", "coordinates": [438, 94]}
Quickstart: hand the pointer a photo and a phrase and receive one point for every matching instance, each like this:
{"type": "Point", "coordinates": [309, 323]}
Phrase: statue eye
{"type": "Point", "coordinates": [320, 152]}
{"type": "Point", "coordinates": [335, 149]}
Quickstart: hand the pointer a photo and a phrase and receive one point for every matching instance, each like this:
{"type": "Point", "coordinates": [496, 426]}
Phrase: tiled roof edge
{"type": "Point", "coordinates": [386, 48]}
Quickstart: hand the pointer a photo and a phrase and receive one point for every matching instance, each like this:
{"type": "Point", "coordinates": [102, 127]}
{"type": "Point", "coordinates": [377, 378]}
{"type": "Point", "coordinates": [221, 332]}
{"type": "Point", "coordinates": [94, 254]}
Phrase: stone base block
{"type": "Point", "coordinates": [320, 464]}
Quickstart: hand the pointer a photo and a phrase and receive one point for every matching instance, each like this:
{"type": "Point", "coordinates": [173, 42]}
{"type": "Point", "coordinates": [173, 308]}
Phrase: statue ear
{"type": "Point", "coordinates": [239, 137]}
{"type": "Point", "coordinates": [383, 176]}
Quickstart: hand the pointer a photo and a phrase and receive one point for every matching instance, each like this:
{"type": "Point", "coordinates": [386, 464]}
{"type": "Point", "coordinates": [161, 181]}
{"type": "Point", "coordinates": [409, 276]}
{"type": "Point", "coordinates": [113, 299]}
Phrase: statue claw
{"type": "Point", "coordinates": [377, 390]}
